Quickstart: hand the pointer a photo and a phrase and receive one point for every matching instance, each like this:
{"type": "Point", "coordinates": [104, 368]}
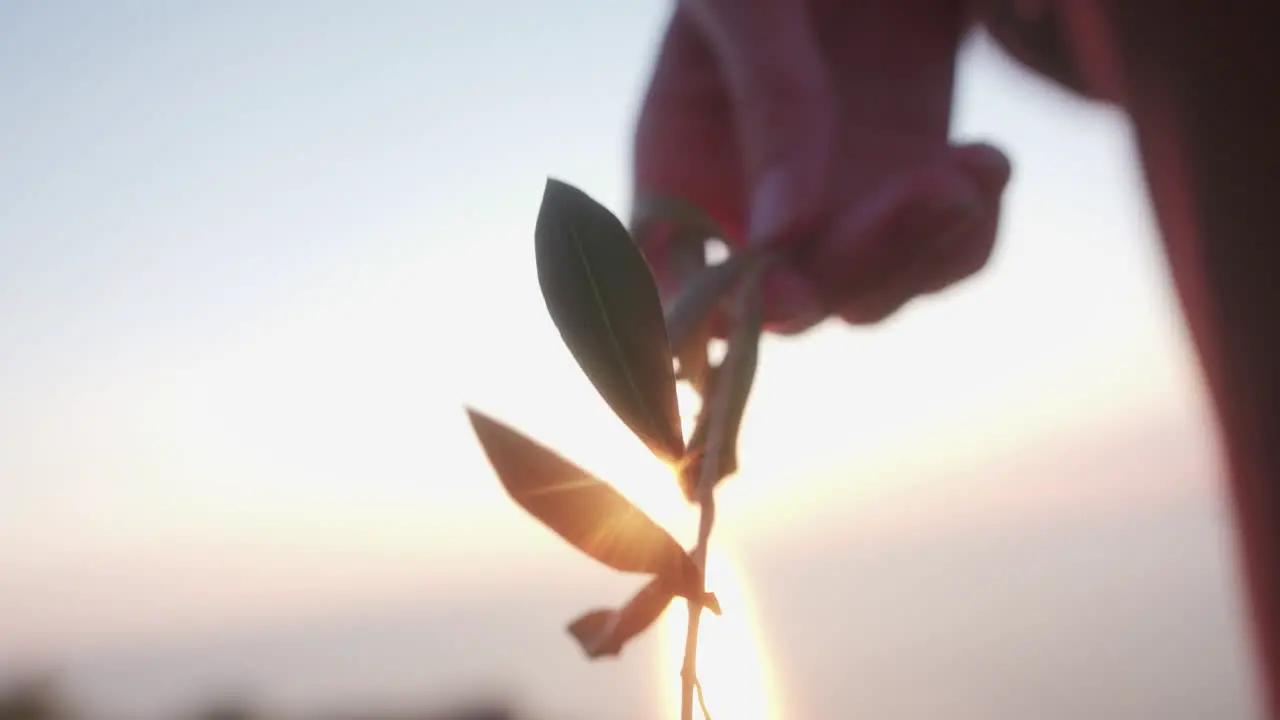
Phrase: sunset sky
{"type": "Point", "coordinates": [255, 257]}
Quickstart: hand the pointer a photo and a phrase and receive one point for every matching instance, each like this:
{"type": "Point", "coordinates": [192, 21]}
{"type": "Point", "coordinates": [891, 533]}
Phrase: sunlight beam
{"type": "Point", "coordinates": [732, 663]}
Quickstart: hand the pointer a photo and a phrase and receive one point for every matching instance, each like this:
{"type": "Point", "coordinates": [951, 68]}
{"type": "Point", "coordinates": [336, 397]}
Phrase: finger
{"type": "Point", "coordinates": [874, 241]}
{"type": "Point", "coordinates": [965, 259]}
{"type": "Point", "coordinates": [683, 147]}
{"type": "Point", "coordinates": [686, 147]}
{"type": "Point", "coordinates": [950, 258]}
{"type": "Point", "coordinates": [792, 305]}
{"type": "Point", "coordinates": [990, 170]}
{"type": "Point", "coordinates": [783, 109]}
{"type": "Point", "coordinates": [987, 165]}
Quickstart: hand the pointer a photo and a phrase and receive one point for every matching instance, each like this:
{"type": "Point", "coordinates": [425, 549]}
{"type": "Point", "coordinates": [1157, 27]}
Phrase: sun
{"type": "Point", "coordinates": [732, 665]}
{"type": "Point", "coordinates": [731, 657]}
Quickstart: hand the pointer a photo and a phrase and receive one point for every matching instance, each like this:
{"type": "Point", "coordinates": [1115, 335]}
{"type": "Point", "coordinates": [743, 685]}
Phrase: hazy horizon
{"type": "Point", "coordinates": [1100, 600]}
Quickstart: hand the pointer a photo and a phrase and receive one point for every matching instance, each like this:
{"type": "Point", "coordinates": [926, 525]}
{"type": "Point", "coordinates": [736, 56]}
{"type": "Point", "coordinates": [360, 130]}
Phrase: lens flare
{"type": "Point", "coordinates": [731, 657]}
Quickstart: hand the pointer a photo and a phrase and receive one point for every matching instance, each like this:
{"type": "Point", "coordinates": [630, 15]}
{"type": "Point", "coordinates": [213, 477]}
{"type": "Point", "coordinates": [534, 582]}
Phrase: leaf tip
{"type": "Point", "coordinates": [593, 631]}
{"type": "Point", "coordinates": [477, 419]}
{"type": "Point", "coordinates": [555, 187]}
{"type": "Point", "coordinates": [712, 603]}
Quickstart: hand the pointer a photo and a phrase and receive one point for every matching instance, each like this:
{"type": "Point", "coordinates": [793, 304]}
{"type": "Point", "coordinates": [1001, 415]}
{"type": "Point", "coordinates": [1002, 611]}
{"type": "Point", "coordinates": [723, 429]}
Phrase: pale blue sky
{"type": "Point", "coordinates": [255, 256]}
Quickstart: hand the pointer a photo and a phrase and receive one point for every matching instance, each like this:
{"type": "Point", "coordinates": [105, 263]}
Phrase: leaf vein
{"type": "Point", "coordinates": [613, 336]}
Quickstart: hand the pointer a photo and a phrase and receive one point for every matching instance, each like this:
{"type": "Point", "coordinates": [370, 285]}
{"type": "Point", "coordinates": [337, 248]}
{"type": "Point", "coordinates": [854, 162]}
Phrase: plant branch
{"type": "Point", "coordinates": [702, 700]}
{"type": "Point", "coordinates": [711, 472]}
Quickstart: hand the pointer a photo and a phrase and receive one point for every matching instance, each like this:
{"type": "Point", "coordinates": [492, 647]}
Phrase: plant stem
{"type": "Point", "coordinates": [717, 433]}
{"type": "Point", "coordinates": [688, 671]}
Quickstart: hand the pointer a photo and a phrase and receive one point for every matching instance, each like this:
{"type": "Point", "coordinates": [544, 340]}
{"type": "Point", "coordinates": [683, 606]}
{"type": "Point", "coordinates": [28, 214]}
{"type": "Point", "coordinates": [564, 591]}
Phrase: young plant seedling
{"type": "Point", "coordinates": [602, 297]}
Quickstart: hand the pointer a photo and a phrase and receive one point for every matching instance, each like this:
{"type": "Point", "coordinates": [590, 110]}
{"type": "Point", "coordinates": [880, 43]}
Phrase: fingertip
{"type": "Point", "coordinates": [965, 258]}
{"type": "Point", "coordinates": [987, 164]}
{"type": "Point", "coordinates": [791, 303]}
{"type": "Point", "coordinates": [871, 313]}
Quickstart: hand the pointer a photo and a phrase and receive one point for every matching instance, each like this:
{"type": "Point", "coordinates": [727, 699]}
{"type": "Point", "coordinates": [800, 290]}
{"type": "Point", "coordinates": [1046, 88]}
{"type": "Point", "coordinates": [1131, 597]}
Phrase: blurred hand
{"type": "Point", "coordinates": [821, 125]}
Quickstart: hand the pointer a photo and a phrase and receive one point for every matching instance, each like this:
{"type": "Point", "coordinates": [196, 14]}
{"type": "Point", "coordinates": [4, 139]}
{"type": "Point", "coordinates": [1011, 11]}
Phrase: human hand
{"type": "Point", "coordinates": [821, 126]}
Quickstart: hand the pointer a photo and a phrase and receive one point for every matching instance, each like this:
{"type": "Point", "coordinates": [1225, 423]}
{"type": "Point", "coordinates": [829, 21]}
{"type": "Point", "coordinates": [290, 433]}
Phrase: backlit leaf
{"type": "Point", "coordinates": [604, 632]}
{"type": "Point", "coordinates": [688, 258]}
{"type": "Point", "coordinates": [601, 295]}
{"type": "Point", "coordinates": [582, 509]}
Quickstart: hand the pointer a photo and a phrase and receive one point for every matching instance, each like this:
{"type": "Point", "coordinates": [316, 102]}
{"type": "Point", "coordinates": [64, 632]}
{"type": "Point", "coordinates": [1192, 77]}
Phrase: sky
{"type": "Point", "coordinates": [256, 257]}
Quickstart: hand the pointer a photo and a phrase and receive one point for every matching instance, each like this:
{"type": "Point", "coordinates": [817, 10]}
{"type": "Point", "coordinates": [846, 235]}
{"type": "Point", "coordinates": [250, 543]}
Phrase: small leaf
{"type": "Point", "coordinates": [691, 309]}
{"type": "Point", "coordinates": [652, 209]}
{"type": "Point", "coordinates": [595, 632]}
{"type": "Point", "coordinates": [689, 257]}
{"type": "Point", "coordinates": [583, 510]}
{"type": "Point", "coordinates": [601, 295]}
{"type": "Point", "coordinates": [604, 632]}
{"type": "Point", "coordinates": [690, 469]}
{"type": "Point", "coordinates": [734, 375]}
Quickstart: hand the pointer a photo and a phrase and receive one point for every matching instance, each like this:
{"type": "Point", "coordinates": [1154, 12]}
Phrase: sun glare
{"type": "Point", "coordinates": [731, 658]}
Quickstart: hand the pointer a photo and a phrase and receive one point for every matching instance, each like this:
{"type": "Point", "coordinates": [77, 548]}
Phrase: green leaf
{"type": "Point", "coordinates": [735, 376]}
{"type": "Point", "coordinates": [582, 509]}
{"type": "Point", "coordinates": [689, 257]}
{"type": "Point", "coordinates": [601, 295]}
{"type": "Point", "coordinates": [604, 632]}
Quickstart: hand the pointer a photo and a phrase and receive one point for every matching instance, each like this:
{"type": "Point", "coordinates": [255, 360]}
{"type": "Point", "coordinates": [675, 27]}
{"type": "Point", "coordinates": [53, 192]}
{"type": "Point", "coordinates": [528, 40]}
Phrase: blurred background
{"type": "Point", "coordinates": [255, 257]}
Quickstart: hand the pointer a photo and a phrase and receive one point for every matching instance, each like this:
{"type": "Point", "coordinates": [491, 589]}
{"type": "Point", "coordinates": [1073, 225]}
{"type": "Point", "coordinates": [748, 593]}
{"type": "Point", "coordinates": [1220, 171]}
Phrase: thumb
{"type": "Point", "coordinates": [782, 106]}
